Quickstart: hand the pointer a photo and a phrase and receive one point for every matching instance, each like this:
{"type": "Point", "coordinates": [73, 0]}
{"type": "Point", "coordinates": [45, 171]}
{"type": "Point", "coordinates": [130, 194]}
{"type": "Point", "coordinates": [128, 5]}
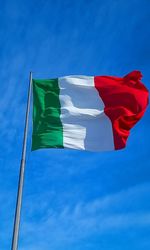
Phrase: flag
{"type": "Point", "coordinates": [86, 112]}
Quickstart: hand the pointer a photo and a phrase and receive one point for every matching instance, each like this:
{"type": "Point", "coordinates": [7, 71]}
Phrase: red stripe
{"type": "Point", "coordinates": [125, 102]}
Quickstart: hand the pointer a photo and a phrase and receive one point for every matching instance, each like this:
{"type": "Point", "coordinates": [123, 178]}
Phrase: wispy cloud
{"type": "Point", "coordinates": [74, 223]}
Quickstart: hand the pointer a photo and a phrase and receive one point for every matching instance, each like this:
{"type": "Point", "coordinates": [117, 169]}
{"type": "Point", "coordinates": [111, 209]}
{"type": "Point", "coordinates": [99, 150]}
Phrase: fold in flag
{"type": "Point", "coordinates": [85, 112]}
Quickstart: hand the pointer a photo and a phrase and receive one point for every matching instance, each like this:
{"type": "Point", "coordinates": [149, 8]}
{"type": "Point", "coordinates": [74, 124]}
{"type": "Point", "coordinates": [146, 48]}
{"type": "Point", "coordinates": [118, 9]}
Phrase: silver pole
{"type": "Point", "coordinates": [21, 174]}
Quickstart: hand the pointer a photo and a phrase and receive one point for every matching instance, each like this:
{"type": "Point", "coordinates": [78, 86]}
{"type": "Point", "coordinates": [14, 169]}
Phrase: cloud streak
{"type": "Point", "coordinates": [101, 216]}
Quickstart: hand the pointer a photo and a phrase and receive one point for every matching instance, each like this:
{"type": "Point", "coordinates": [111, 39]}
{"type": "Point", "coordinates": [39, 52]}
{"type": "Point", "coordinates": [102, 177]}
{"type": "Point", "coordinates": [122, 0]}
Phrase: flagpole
{"type": "Point", "coordinates": [21, 174]}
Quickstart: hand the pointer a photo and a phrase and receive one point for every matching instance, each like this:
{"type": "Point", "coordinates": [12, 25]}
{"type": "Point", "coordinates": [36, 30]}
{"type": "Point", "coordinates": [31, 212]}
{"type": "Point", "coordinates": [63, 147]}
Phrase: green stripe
{"type": "Point", "coordinates": [47, 126]}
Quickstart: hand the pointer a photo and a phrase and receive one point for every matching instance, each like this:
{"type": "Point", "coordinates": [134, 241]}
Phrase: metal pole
{"type": "Point", "coordinates": [21, 174]}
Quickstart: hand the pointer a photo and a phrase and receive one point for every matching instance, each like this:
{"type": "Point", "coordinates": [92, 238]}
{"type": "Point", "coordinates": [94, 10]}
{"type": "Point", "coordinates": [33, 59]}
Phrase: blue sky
{"type": "Point", "coordinates": [73, 200]}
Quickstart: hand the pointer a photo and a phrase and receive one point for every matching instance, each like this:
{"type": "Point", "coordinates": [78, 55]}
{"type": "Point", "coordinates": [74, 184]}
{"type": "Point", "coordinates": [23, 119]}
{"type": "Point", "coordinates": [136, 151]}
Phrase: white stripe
{"type": "Point", "coordinates": [85, 125]}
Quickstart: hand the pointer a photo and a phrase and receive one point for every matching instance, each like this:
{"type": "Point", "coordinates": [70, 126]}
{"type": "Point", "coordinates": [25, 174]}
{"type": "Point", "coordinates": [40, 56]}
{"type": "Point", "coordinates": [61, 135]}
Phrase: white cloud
{"type": "Point", "coordinates": [69, 224]}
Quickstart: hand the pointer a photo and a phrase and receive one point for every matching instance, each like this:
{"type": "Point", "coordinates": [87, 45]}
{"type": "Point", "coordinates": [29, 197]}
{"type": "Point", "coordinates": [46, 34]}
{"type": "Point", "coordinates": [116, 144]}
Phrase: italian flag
{"type": "Point", "coordinates": [86, 112]}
